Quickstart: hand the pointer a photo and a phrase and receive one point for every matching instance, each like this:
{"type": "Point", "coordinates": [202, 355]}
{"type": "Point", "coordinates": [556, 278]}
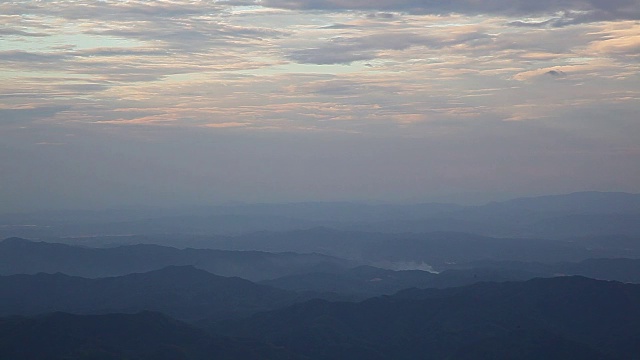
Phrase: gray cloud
{"type": "Point", "coordinates": [20, 56]}
{"type": "Point", "coordinates": [107, 52]}
{"type": "Point", "coordinates": [381, 15]}
{"type": "Point", "coordinates": [17, 32]}
{"type": "Point", "coordinates": [189, 34]}
{"type": "Point", "coordinates": [343, 50]}
{"type": "Point", "coordinates": [24, 116]}
{"type": "Point", "coordinates": [74, 62]}
{"type": "Point", "coordinates": [566, 18]}
{"type": "Point", "coordinates": [110, 10]}
{"type": "Point", "coordinates": [331, 55]}
{"type": "Point", "coordinates": [576, 11]}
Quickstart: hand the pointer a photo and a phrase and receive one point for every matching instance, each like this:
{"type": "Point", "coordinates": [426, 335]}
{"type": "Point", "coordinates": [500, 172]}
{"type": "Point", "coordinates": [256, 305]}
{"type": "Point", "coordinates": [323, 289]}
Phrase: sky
{"type": "Point", "coordinates": [171, 103]}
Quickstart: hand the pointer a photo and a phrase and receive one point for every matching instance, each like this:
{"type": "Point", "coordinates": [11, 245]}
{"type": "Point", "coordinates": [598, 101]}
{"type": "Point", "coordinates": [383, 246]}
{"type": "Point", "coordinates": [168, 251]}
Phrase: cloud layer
{"type": "Point", "coordinates": [569, 11]}
{"type": "Point", "coordinates": [471, 79]}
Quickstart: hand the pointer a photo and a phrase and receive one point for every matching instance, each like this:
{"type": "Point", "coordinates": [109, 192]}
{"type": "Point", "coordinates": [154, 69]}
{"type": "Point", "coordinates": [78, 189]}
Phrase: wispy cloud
{"type": "Point", "coordinates": [466, 80]}
{"type": "Point", "coordinates": [574, 11]}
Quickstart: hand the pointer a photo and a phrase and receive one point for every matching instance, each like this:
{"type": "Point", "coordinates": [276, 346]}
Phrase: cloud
{"type": "Point", "coordinates": [345, 50]}
{"type": "Point", "coordinates": [192, 63]}
{"type": "Point", "coordinates": [574, 11]}
{"type": "Point", "coordinates": [381, 15]}
{"type": "Point", "coordinates": [20, 57]}
{"type": "Point", "coordinates": [225, 125]}
{"type": "Point", "coordinates": [620, 39]}
{"type": "Point", "coordinates": [339, 26]}
{"type": "Point", "coordinates": [17, 32]}
{"type": "Point", "coordinates": [337, 54]}
{"type": "Point", "coordinates": [348, 49]}
{"type": "Point", "coordinates": [111, 10]}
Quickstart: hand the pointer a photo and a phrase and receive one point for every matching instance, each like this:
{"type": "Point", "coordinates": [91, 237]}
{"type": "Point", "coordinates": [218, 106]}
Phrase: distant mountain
{"type": "Point", "coordinates": [432, 251]}
{"type": "Point", "coordinates": [623, 270]}
{"type": "Point", "coordinates": [588, 202]}
{"type": "Point", "coordinates": [554, 318]}
{"type": "Point", "coordinates": [405, 251]}
{"type": "Point", "coordinates": [223, 219]}
{"type": "Point", "coordinates": [19, 256]}
{"type": "Point", "coordinates": [187, 293]}
{"type": "Point", "coordinates": [557, 216]}
{"type": "Point", "coordinates": [182, 292]}
{"type": "Point", "coordinates": [367, 281]}
{"type": "Point", "coordinates": [143, 336]}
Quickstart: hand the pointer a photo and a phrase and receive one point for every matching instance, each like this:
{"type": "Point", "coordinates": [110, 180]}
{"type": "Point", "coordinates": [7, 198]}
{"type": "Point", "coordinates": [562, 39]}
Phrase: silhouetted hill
{"type": "Point", "coordinates": [140, 336]}
{"type": "Point", "coordinates": [182, 292]}
{"type": "Point", "coordinates": [554, 318]}
{"type": "Point", "coordinates": [19, 256]}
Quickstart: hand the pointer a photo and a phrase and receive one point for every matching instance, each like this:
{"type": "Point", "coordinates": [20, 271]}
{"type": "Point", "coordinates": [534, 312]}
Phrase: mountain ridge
{"type": "Point", "coordinates": [183, 292]}
{"type": "Point", "coordinates": [554, 318]}
{"type": "Point", "coordinates": [24, 256]}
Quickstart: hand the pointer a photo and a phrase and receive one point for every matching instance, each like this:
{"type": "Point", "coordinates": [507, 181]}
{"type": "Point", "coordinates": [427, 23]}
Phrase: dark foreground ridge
{"type": "Point", "coordinates": [545, 318]}
{"type": "Point", "coordinates": [142, 336]}
{"type": "Point", "coordinates": [555, 318]}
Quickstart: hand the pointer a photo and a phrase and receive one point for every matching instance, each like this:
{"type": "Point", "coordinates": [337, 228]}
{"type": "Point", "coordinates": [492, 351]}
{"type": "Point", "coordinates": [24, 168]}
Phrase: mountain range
{"type": "Point", "coordinates": [553, 318]}
{"type": "Point", "coordinates": [182, 292]}
{"type": "Point", "coordinates": [20, 256]}
{"type": "Point", "coordinates": [553, 277]}
{"type": "Point", "coordinates": [553, 217]}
